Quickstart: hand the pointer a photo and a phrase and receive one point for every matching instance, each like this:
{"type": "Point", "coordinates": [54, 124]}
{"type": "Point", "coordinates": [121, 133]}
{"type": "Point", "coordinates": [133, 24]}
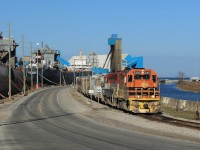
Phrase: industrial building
{"type": "Point", "coordinates": [86, 62]}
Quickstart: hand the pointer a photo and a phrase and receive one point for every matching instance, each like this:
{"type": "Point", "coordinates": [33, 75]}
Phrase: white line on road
{"type": "Point", "coordinates": [58, 100]}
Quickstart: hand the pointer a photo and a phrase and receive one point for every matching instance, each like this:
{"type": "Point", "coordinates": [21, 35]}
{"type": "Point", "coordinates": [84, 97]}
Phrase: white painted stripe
{"type": "Point", "coordinates": [58, 100]}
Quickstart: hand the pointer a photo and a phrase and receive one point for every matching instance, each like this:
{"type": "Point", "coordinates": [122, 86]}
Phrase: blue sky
{"type": "Point", "coordinates": [165, 32]}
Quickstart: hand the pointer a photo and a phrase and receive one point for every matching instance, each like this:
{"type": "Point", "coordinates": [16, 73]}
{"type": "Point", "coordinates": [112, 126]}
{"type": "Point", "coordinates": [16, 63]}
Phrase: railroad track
{"type": "Point", "coordinates": [169, 120]}
{"type": "Point", "coordinates": [174, 121]}
{"type": "Point", "coordinates": [164, 119]}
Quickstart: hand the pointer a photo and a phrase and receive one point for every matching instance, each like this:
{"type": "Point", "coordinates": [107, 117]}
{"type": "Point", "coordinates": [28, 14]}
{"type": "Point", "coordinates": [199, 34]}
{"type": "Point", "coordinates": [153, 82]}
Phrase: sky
{"type": "Point", "coordinates": [165, 32]}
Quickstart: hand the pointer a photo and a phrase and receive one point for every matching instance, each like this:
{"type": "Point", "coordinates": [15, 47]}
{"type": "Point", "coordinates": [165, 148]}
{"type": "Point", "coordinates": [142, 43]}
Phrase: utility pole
{"type": "Point", "coordinates": [60, 77]}
{"type": "Point", "coordinates": [37, 71]}
{"type": "Point", "coordinates": [31, 67]}
{"type": "Point", "coordinates": [42, 65]}
{"type": "Point", "coordinates": [9, 92]}
{"type": "Point", "coordinates": [74, 73]}
{"type": "Point", "coordinates": [24, 79]}
{"type": "Point", "coordinates": [81, 60]}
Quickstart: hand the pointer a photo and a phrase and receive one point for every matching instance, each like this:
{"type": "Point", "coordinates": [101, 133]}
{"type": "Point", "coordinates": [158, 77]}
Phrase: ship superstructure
{"type": "Point", "coordinates": [4, 50]}
{"type": "Point", "coordinates": [16, 73]}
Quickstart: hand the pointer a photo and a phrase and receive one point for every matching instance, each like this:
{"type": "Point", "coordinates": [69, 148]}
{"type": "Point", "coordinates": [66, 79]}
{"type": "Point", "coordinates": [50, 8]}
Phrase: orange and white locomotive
{"type": "Point", "coordinates": [135, 90]}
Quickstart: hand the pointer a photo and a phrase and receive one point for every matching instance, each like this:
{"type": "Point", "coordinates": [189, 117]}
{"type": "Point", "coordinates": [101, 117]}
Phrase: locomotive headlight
{"type": "Point", "coordinates": [142, 71]}
{"type": "Point", "coordinates": [138, 96]}
{"type": "Point", "coordinates": [153, 96]}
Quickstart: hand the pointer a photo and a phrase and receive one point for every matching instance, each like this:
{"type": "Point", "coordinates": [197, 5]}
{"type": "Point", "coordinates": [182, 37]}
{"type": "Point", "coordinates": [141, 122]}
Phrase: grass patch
{"type": "Point", "coordinates": [180, 113]}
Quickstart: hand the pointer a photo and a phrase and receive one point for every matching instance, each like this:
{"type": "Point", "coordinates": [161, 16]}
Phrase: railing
{"type": "Point", "coordinates": [144, 93]}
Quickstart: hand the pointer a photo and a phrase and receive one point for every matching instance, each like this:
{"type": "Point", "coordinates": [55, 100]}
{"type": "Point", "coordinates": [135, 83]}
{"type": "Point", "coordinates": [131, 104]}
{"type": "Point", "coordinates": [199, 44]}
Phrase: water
{"type": "Point", "coordinates": [170, 90]}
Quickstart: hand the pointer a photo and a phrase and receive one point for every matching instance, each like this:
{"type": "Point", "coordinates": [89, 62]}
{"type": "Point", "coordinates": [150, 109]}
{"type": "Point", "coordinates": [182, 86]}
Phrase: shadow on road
{"type": "Point", "coordinates": [32, 120]}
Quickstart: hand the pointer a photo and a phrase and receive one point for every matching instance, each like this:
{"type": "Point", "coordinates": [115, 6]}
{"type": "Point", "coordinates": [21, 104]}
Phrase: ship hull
{"type": "Point", "coordinates": [50, 77]}
{"type": "Point", "coordinates": [55, 77]}
{"type": "Point", "coordinates": [16, 81]}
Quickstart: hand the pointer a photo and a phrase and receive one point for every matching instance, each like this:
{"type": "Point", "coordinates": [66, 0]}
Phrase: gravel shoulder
{"type": "Point", "coordinates": [103, 114]}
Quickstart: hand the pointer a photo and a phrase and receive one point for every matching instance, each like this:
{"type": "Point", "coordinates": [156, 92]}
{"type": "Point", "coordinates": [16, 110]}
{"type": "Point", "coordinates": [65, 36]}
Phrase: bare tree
{"type": "Point", "coordinates": [181, 76]}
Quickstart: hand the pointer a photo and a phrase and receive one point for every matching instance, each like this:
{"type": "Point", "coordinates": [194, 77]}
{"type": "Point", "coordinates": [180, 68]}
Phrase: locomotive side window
{"type": "Point", "coordinates": [154, 78]}
{"type": "Point", "coordinates": [129, 78]}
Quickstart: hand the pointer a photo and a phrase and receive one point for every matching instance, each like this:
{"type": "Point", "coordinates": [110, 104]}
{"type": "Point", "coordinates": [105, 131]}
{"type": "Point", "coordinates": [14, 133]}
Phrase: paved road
{"type": "Point", "coordinates": [52, 119]}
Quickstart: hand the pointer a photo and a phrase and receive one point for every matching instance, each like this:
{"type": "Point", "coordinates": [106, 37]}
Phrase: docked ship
{"type": "Point", "coordinates": [49, 68]}
{"type": "Point", "coordinates": [16, 72]}
{"type": "Point", "coordinates": [45, 66]}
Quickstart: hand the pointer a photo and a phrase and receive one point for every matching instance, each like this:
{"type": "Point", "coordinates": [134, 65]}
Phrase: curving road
{"type": "Point", "coordinates": [52, 119]}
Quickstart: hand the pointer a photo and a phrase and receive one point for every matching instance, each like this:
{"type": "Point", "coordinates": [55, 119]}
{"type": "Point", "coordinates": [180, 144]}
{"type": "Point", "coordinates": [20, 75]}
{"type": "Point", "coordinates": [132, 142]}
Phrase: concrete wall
{"type": "Point", "coordinates": [180, 104]}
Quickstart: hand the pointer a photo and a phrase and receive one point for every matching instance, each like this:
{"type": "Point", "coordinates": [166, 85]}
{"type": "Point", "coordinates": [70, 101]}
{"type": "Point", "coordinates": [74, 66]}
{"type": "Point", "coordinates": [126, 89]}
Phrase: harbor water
{"type": "Point", "coordinates": [170, 90]}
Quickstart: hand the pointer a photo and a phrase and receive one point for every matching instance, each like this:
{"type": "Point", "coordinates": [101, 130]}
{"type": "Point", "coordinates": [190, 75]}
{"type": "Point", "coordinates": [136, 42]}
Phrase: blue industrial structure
{"type": "Point", "coordinates": [96, 70]}
{"type": "Point", "coordinates": [133, 62]}
{"type": "Point", "coordinates": [112, 40]}
{"type": "Point", "coordinates": [129, 61]}
{"type": "Point", "coordinates": [63, 61]}
{"type": "Point", "coordinates": [26, 63]}
{"type": "Point", "coordinates": [115, 42]}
